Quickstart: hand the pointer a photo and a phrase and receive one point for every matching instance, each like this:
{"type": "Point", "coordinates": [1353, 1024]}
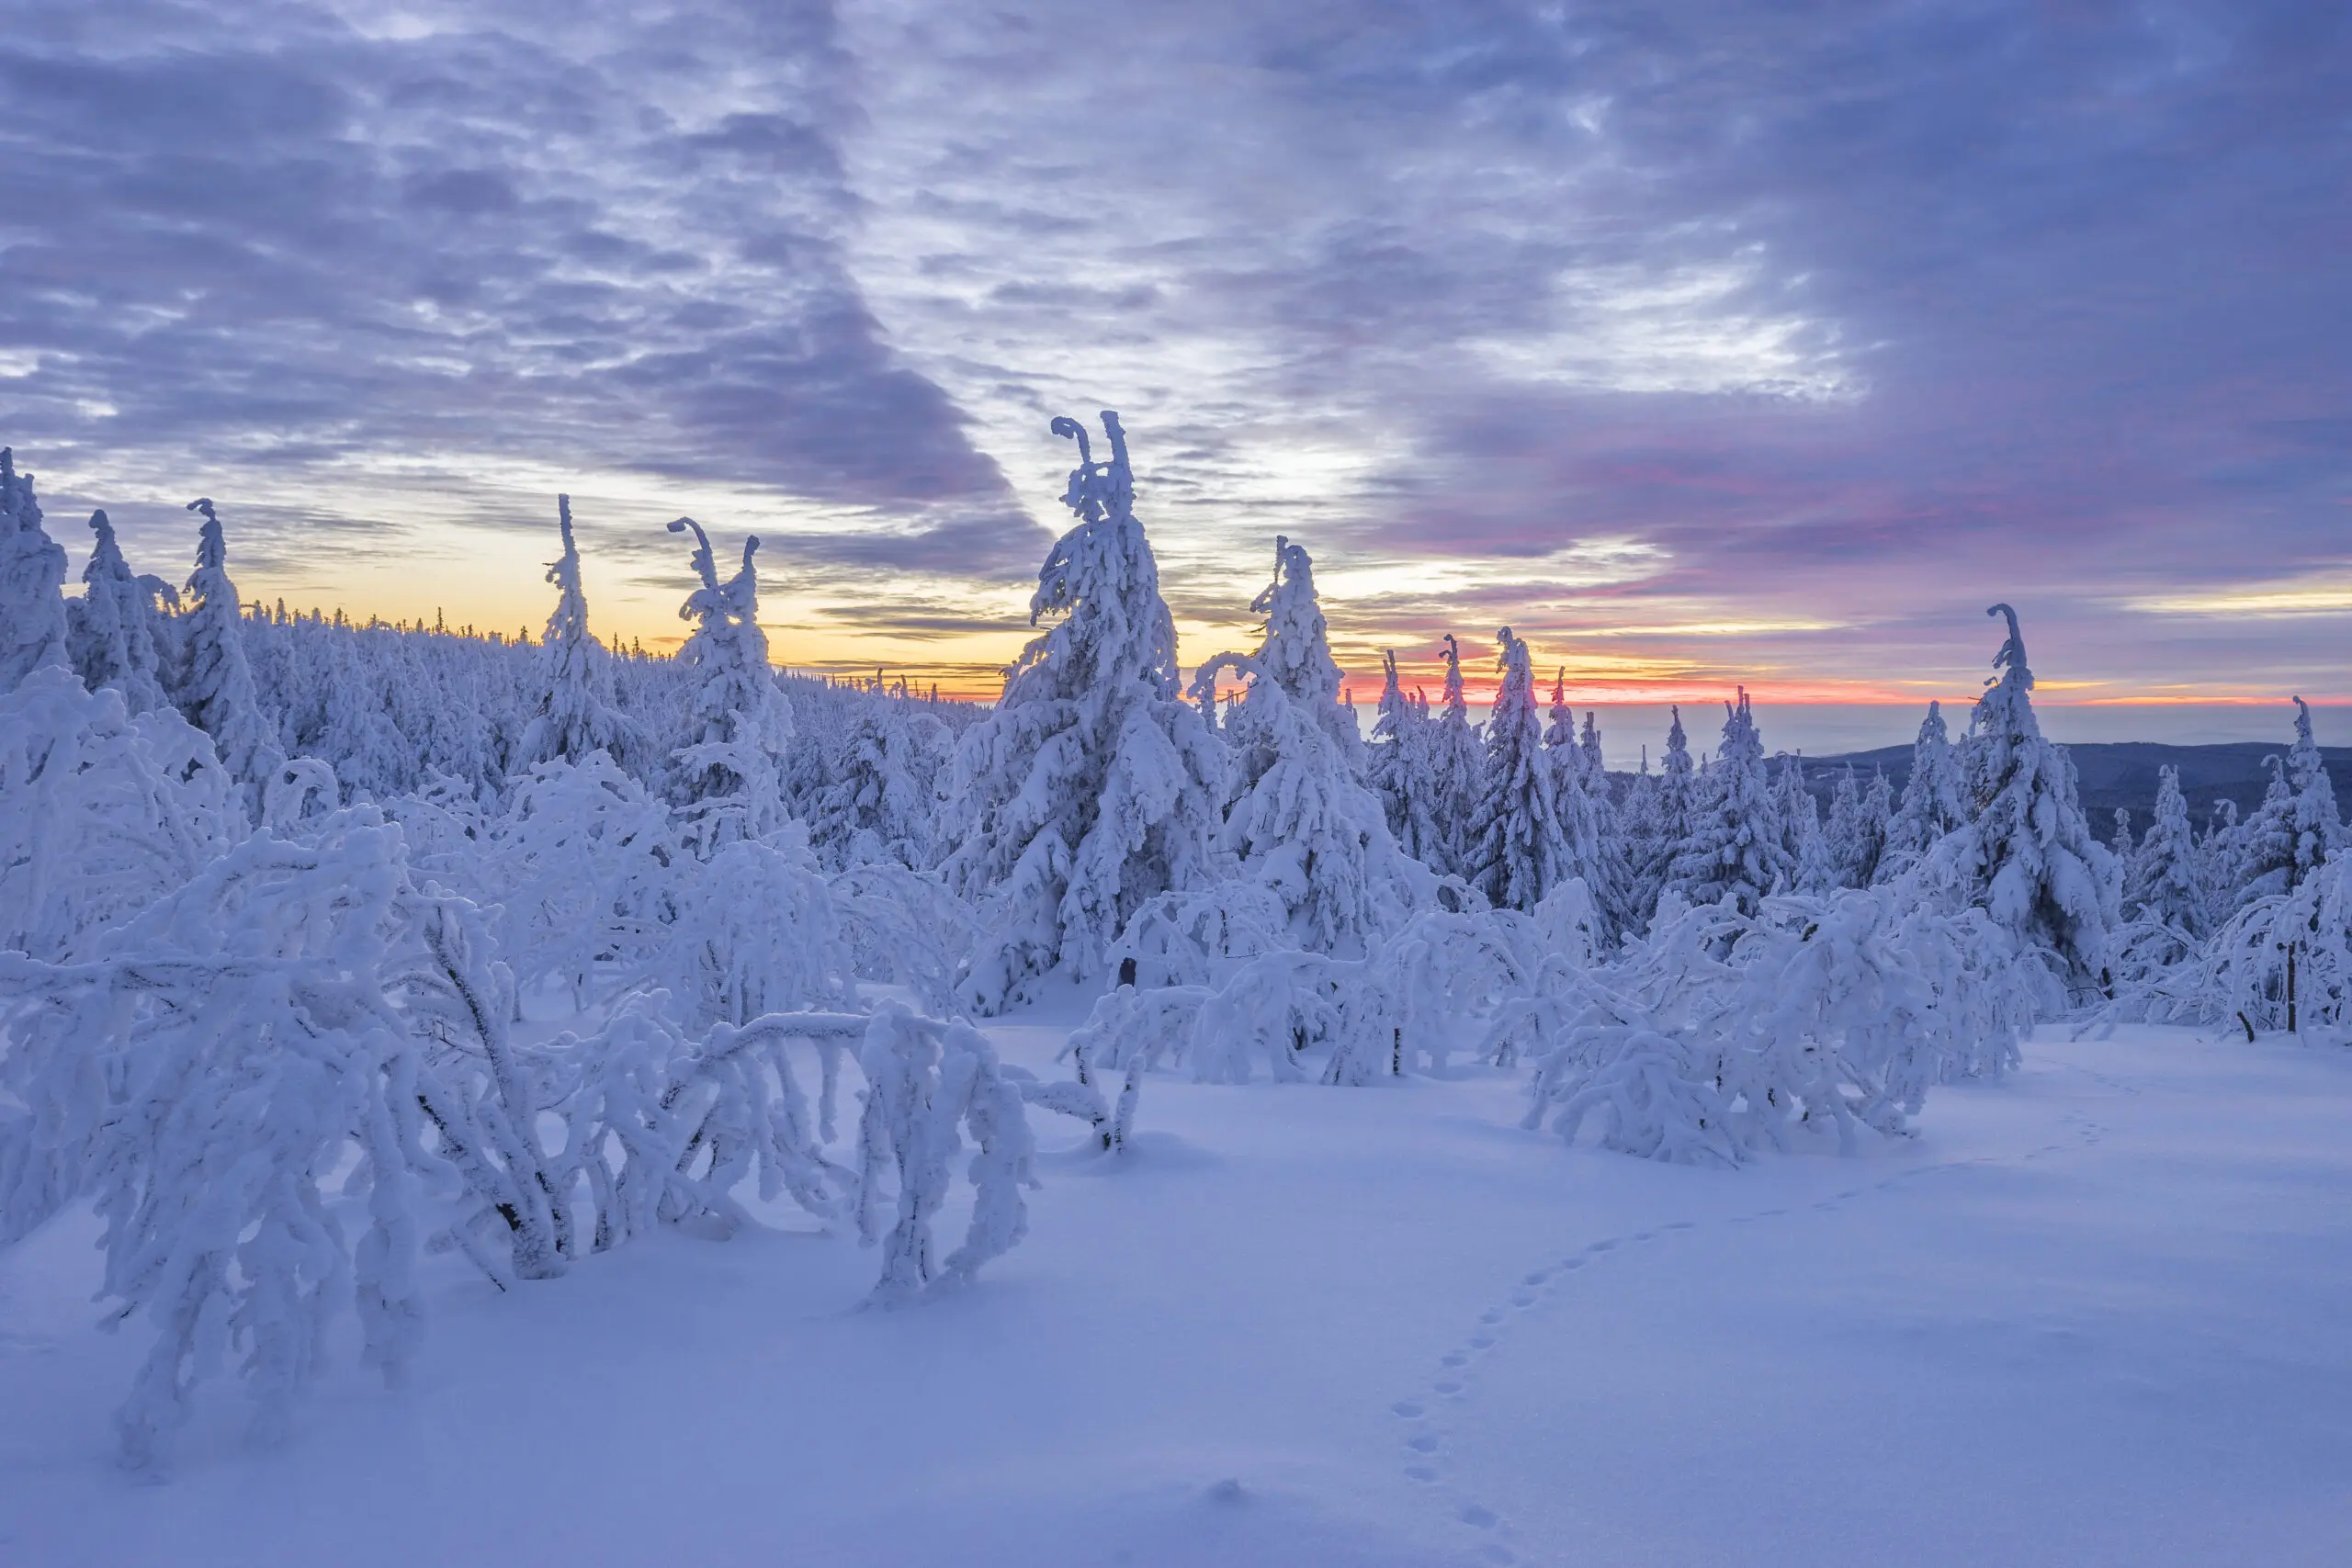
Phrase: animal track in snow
{"type": "Point", "coordinates": [1428, 1454]}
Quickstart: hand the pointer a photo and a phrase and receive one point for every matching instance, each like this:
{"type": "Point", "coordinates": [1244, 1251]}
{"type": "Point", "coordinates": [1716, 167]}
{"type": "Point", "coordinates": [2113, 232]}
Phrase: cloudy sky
{"type": "Point", "coordinates": [1698, 343]}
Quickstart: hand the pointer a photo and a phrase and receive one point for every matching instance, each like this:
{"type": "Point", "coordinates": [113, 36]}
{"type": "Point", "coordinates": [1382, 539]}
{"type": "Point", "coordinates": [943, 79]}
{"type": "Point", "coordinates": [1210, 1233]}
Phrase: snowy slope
{"type": "Point", "coordinates": [2095, 1315]}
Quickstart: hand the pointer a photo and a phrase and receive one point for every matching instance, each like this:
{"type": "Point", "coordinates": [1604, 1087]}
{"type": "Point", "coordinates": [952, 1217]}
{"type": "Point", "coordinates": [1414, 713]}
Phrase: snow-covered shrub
{"type": "Point", "coordinates": [1727, 1034]}
{"type": "Point", "coordinates": [1198, 937]}
{"type": "Point", "coordinates": [1092, 786]}
{"type": "Point", "coordinates": [753, 932]}
{"type": "Point", "coordinates": [2283, 961]}
{"type": "Point", "coordinates": [100, 814]}
{"type": "Point", "coordinates": [928, 1083]}
{"type": "Point", "coordinates": [905, 929]}
{"type": "Point", "coordinates": [581, 869]}
{"type": "Point", "coordinates": [1081, 1097]}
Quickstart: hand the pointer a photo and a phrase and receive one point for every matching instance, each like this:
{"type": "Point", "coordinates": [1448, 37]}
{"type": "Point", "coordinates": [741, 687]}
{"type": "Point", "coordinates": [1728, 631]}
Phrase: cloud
{"type": "Point", "coordinates": [608, 237]}
{"type": "Point", "coordinates": [1799, 331]}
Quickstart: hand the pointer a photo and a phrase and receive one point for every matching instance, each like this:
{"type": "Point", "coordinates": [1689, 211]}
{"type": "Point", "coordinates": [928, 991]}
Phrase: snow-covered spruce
{"type": "Point", "coordinates": [1092, 786]}
{"type": "Point", "coordinates": [32, 575]}
{"type": "Point", "coordinates": [2296, 826]}
{"type": "Point", "coordinates": [2026, 854]}
{"type": "Point", "coordinates": [1301, 826]}
{"type": "Point", "coordinates": [1297, 648]}
{"type": "Point", "coordinates": [575, 715]}
{"type": "Point", "coordinates": [215, 688]}
{"type": "Point", "coordinates": [729, 771]}
{"type": "Point", "coordinates": [1934, 801]}
{"type": "Point", "coordinates": [116, 631]}
{"type": "Point", "coordinates": [1518, 848]}
{"type": "Point", "coordinates": [1734, 848]}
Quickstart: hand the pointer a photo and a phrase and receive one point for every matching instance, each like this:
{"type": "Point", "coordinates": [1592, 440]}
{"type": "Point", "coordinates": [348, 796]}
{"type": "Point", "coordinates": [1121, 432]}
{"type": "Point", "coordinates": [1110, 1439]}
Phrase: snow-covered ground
{"type": "Point", "coordinates": [2099, 1313]}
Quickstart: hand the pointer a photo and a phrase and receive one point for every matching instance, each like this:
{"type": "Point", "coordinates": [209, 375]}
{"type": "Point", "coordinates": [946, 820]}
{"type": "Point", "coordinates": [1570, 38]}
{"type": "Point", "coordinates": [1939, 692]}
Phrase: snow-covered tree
{"type": "Point", "coordinates": [1735, 848]}
{"type": "Point", "coordinates": [1301, 825]}
{"type": "Point", "coordinates": [575, 715]}
{"type": "Point", "coordinates": [1092, 785]}
{"type": "Point", "coordinates": [1855, 830]}
{"type": "Point", "coordinates": [1588, 815]}
{"type": "Point", "coordinates": [1812, 867]}
{"type": "Point", "coordinates": [879, 801]}
{"type": "Point", "coordinates": [1934, 800]}
{"type": "Point", "coordinates": [2026, 854]}
{"type": "Point", "coordinates": [1642, 840]}
{"type": "Point", "coordinates": [215, 689]}
{"type": "Point", "coordinates": [1400, 768]}
{"type": "Point", "coordinates": [2296, 826]}
{"type": "Point", "coordinates": [1296, 649]}
{"type": "Point", "coordinates": [33, 580]}
{"type": "Point", "coordinates": [115, 631]}
{"type": "Point", "coordinates": [1518, 849]}
{"type": "Point", "coordinates": [2166, 879]}
{"type": "Point", "coordinates": [739, 726]}
{"type": "Point", "coordinates": [1456, 770]}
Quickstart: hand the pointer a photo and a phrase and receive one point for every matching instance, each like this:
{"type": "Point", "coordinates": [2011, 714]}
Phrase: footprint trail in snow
{"type": "Point", "coordinates": [1430, 1418]}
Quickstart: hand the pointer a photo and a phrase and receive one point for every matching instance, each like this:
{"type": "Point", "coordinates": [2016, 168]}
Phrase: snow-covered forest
{"type": "Point", "coordinates": [328, 948]}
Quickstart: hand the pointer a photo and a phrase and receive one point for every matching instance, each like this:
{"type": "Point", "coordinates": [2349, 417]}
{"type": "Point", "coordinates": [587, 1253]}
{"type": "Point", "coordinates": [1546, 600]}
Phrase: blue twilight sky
{"type": "Point", "coordinates": [1699, 343]}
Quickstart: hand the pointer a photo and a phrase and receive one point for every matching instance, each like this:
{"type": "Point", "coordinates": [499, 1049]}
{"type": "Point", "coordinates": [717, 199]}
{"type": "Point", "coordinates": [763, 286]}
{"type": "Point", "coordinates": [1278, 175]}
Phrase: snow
{"type": "Point", "coordinates": [2091, 1314]}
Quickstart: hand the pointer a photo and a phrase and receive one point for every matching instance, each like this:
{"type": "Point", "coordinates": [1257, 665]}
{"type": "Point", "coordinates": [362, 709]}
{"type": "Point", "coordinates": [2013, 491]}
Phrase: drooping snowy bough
{"type": "Point", "coordinates": [297, 1042]}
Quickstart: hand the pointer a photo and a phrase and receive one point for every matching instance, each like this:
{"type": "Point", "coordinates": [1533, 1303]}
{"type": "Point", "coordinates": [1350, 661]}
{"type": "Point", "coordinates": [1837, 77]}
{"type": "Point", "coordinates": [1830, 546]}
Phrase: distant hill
{"type": "Point", "coordinates": [2124, 774]}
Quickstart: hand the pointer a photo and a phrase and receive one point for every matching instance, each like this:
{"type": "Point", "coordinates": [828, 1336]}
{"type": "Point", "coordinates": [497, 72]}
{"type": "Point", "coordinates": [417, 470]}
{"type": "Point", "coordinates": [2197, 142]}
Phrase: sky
{"type": "Point", "coordinates": [1699, 344]}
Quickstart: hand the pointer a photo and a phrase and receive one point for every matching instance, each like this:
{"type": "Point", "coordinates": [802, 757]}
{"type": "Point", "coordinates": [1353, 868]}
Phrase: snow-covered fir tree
{"type": "Point", "coordinates": [575, 713]}
{"type": "Point", "coordinates": [2165, 881]}
{"type": "Point", "coordinates": [1518, 849]}
{"type": "Point", "coordinates": [2296, 828]}
{"type": "Point", "coordinates": [1815, 870]}
{"type": "Point", "coordinates": [1301, 826]}
{"type": "Point", "coordinates": [1401, 770]}
{"type": "Point", "coordinates": [32, 580]}
{"type": "Point", "coordinates": [1456, 770]}
{"type": "Point", "coordinates": [1934, 800]}
{"type": "Point", "coordinates": [1296, 649]}
{"type": "Point", "coordinates": [1092, 785]}
{"type": "Point", "coordinates": [2028, 856]}
{"type": "Point", "coordinates": [1855, 830]}
{"type": "Point", "coordinates": [215, 689]}
{"type": "Point", "coordinates": [1735, 848]}
{"type": "Point", "coordinates": [730, 770]}
{"type": "Point", "coordinates": [1587, 819]}
{"type": "Point", "coordinates": [117, 633]}
{"type": "Point", "coordinates": [880, 799]}
{"type": "Point", "coordinates": [1641, 841]}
